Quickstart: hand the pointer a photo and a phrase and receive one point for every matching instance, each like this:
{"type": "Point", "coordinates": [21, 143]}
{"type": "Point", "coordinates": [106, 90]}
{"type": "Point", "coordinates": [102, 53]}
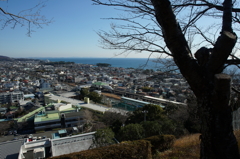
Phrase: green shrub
{"type": "Point", "coordinates": [131, 132]}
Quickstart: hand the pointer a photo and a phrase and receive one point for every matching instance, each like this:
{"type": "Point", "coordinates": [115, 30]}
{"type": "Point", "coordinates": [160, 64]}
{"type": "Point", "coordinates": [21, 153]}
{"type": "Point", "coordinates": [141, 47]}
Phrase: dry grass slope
{"type": "Point", "coordinates": [187, 147]}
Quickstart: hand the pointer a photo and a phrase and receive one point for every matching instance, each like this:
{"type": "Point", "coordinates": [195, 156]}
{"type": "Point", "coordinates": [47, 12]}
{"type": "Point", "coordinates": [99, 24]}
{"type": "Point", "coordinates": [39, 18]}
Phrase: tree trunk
{"type": "Point", "coordinates": [217, 139]}
{"type": "Point", "coordinates": [211, 88]}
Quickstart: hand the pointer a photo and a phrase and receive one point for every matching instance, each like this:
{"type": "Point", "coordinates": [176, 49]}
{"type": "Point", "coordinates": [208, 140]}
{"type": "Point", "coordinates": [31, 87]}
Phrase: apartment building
{"type": "Point", "coordinates": [10, 97]}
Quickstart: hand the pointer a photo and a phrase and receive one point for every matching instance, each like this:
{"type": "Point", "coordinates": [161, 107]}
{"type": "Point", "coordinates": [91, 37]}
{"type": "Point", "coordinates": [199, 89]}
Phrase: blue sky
{"type": "Point", "coordinates": [71, 34]}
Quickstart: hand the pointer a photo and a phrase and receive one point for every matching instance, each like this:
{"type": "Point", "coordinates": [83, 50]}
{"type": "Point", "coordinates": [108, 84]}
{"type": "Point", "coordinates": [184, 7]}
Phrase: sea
{"type": "Point", "coordinates": [141, 63]}
{"type": "Point", "coordinates": [137, 63]}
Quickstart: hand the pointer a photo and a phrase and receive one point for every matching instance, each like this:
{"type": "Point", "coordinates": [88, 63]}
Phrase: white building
{"type": "Point", "coordinates": [45, 148]}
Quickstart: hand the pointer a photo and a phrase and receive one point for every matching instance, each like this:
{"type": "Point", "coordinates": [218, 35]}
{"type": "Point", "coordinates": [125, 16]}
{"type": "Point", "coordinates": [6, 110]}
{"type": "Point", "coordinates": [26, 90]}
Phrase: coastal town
{"type": "Point", "coordinates": [113, 79]}
{"type": "Point", "coordinates": [36, 95]}
{"type": "Point", "coordinates": [48, 106]}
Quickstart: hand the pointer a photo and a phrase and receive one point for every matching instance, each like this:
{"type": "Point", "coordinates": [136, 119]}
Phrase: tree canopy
{"type": "Point", "coordinates": [139, 30]}
{"type": "Point", "coordinates": [94, 96]}
{"type": "Point", "coordinates": [199, 36]}
{"type": "Point", "coordinates": [131, 132]}
{"type": "Point", "coordinates": [103, 137]}
{"type": "Point", "coordinates": [103, 65]}
{"type": "Point", "coordinates": [154, 113]}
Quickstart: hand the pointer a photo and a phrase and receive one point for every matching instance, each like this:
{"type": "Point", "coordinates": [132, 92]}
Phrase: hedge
{"type": "Point", "coordinates": [139, 149]}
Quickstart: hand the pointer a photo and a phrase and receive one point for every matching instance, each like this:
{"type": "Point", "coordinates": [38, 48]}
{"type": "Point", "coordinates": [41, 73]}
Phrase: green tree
{"type": "Point", "coordinates": [147, 72]}
{"type": "Point", "coordinates": [110, 117]}
{"type": "Point", "coordinates": [84, 92]}
{"type": "Point", "coordinates": [116, 126]}
{"type": "Point", "coordinates": [103, 65]}
{"type": "Point", "coordinates": [114, 120]}
{"type": "Point", "coordinates": [103, 137]}
{"type": "Point", "coordinates": [152, 128]}
{"type": "Point", "coordinates": [170, 108]}
{"type": "Point", "coordinates": [131, 132]}
{"type": "Point", "coordinates": [154, 113]}
{"type": "Point", "coordinates": [168, 126]}
{"type": "Point", "coordinates": [95, 97]}
{"type": "Point", "coordinates": [165, 126]}
{"type": "Point", "coordinates": [175, 29]}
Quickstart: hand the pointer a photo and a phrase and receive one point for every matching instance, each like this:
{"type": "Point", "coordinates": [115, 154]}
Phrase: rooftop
{"type": "Point", "coordinates": [165, 100]}
{"type": "Point", "coordinates": [64, 131]}
{"type": "Point", "coordinates": [10, 149]}
{"type": "Point", "coordinates": [81, 103]}
{"type": "Point", "coordinates": [134, 100]}
{"type": "Point", "coordinates": [47, 117]}
{"type": "Point", "coordinates": [74, 114]}
{"type": "Point", "coordinates": [68, 110]}
{"type": "Point", "coordinates": [22, 119]}
{"type": "Point", "coordinates": [55, 136]}
{"type": "Point", "coordinates": [100, 83]}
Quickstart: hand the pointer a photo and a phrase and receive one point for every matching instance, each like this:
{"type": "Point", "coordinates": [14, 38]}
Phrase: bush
{"type": "Point", "coordinates": [103, 137]}
{"type": "Point", "coordinates": [131, 132]}
{"type": "Point", "coordinates": [139, 149]}
{"type": "Point", "coordinates": [151, 128]}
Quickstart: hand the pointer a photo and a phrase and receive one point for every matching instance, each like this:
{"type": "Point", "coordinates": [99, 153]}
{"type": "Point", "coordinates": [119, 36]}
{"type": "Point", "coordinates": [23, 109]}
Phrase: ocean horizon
{"type": "Point", "coordinates": [137, 63]}
{"type": "Point", "coordinates": [143, 63]}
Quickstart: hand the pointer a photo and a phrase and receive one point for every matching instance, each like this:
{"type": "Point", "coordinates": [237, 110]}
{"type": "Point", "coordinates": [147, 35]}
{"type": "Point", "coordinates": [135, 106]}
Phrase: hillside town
{"type": "Point", "coordinates": [44, 106]}
{"type": "Point", "coordinates": [143, 79]}
{"type": "Point", "coordinates": [48, 92]}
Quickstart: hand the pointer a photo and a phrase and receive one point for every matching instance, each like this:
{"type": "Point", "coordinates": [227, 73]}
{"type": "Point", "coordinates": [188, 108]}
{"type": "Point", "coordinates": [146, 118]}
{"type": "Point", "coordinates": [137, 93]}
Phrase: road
{"type": "Point", "coordinates": [48, 134]}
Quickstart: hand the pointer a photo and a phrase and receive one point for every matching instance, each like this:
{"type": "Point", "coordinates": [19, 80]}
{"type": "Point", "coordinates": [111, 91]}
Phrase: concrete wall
{"type": "Point", "coordinates": [72, 144]}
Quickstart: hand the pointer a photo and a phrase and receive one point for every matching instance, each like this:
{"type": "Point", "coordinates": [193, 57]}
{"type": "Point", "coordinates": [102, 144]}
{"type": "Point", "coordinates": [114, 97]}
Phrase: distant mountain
{"type": "Point", "coordinates": [5, 58]}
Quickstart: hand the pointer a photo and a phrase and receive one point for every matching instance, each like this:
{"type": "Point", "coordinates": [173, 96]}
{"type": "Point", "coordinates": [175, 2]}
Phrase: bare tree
{"type": "Point", "coordinates": [29, 18]}
{"type": "Point", "coordinates": [88, 116]}
{"type": "Point", "coordinates": [177, 29]}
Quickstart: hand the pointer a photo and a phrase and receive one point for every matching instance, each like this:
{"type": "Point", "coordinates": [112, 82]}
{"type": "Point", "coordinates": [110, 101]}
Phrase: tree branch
{"type": "Point", "coordinates": [32, 18]}
{"type": "Point", "coordinates": [14, 16]}
{"type": "Point", "coordinates": [177, 44]}
{"type": "Point", "coordinates": [206, 4]}
{"type": "Point", "coordinates": [225, 43]}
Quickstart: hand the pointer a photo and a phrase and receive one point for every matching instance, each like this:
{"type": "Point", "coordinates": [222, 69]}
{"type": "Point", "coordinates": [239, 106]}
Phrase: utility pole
{"type": "Point", "coordinates": [145, 113]}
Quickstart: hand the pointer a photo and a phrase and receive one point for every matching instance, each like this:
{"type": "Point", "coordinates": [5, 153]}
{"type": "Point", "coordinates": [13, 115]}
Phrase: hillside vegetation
{"type": "Point", "coordinates": [186, 147]}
